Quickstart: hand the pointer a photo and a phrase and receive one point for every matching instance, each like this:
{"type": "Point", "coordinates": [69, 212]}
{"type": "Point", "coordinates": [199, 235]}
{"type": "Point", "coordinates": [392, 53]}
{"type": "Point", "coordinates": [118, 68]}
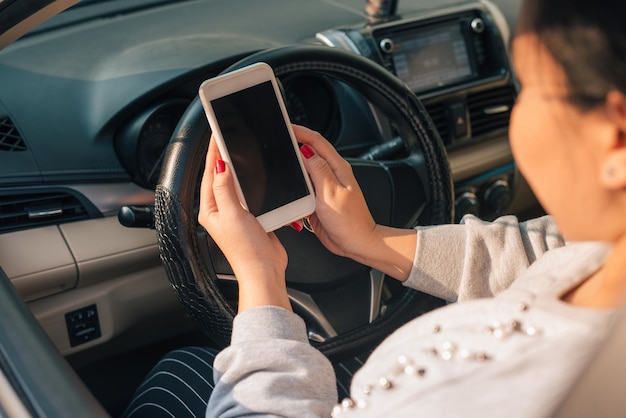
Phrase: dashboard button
{"type": "Point", "coordinates": [83, 325]}
{"type": "Point", "coordinates": [457, 119]}
{"type": "Point", "coordinates": [386, 45]}
{"type": "Point", "coordinates": [477, 25]}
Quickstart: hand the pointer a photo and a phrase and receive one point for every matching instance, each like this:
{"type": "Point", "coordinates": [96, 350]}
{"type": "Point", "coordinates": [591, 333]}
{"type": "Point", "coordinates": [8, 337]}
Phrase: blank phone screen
{"type": "Point", "coordinates": [260, 148]}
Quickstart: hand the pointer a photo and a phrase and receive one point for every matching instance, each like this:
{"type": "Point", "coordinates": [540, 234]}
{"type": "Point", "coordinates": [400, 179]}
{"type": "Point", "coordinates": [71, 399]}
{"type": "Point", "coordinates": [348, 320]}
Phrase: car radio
{"type": "Point", "coordinates": [439, 54]}
{"type": "Point", "coordinates": [431, 53]}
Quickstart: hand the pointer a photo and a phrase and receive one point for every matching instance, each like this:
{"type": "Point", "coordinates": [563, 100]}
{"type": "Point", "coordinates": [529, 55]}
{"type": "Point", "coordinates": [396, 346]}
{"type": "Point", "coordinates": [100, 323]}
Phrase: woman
{"type": "Point", "coordinates": [535, 307]}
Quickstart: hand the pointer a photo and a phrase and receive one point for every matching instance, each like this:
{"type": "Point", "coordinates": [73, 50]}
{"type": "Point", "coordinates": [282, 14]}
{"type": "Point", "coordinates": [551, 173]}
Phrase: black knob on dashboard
{"type": "Point", "coordinates": [477, 25]}
{"type": "Point", "coordinates": [466, 203]}
{"type": "Point", "coordinates": [498, 196]}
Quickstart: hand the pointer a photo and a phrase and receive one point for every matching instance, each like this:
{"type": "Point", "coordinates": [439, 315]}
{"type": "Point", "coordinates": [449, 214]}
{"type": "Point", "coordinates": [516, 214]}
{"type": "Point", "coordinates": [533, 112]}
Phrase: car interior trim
{"type": "Point", "coordinates": [28, 354]}
{"type": "Point", "coordinates": [123, 306]}
{"type": "Point", "coordinates": [10, 402]}
{"type": "Point", "coordinates": [109, 197]}
{"type": "Point", "coordinates": [117, 251]}
{"type": "Point", "coordinates": [51, 271]}
{"type": "Point", "coordinates": [480, 157]}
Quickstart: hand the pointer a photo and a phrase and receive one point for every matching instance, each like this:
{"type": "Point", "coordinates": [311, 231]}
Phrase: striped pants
{"type": "Point", "coordinates": [178, 386]}
{"type": "Point", "coordinates": [181, 383]}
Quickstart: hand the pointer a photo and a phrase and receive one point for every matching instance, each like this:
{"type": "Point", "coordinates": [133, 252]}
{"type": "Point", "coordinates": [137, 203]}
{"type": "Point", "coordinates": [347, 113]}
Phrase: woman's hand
{"type": "Point", "coordinates": [258, 259]}
{"type": "Point", "coordinates": [342, 221]}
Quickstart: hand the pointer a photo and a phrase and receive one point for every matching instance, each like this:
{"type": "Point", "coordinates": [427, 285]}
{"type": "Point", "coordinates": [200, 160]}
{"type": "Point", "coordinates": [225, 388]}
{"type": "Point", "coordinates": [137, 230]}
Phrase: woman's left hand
{"type": "Point", "coordinates": [258, 258]}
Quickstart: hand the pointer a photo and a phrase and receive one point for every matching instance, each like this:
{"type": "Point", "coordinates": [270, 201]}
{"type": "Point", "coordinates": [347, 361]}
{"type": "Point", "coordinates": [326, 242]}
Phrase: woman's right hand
{"type": "Point", "coordinates": [342, 220]}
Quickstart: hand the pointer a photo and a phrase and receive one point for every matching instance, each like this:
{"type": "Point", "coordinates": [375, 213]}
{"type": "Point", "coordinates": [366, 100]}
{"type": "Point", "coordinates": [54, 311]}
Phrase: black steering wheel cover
{"type": "Point", "coordinates": [195, 282]}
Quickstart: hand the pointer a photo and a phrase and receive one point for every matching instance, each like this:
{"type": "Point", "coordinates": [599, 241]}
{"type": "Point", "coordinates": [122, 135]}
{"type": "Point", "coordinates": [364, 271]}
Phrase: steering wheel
{"type": "Point", "coordinates": [347, 306]}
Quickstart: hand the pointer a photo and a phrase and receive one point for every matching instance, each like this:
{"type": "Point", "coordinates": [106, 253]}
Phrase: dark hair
{"type": "Point", "coordinates": [588, 39]}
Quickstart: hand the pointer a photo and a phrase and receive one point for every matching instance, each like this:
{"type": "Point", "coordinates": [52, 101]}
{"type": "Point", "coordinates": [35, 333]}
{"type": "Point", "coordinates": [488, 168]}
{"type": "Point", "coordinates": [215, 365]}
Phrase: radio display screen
{"type": "Point", "coordinates": [432, 57]}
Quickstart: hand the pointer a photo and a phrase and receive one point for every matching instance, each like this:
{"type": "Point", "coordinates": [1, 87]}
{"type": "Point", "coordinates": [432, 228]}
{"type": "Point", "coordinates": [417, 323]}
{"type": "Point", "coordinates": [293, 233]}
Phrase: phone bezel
{"type": "Point", "coordinates": [233, 82]}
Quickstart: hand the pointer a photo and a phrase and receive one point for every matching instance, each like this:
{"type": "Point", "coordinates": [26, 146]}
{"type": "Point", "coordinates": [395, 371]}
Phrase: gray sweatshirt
{"type": "Point", "coordinates": [509, 348]}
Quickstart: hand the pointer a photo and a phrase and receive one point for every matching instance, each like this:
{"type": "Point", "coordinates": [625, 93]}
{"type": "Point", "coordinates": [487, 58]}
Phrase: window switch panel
{"type": "Point", "coordinates": [83, 325]}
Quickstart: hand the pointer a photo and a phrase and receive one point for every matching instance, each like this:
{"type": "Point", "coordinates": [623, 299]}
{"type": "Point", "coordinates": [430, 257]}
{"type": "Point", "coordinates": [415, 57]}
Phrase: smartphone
{"type": "Point", "coordinates": [251, 126]}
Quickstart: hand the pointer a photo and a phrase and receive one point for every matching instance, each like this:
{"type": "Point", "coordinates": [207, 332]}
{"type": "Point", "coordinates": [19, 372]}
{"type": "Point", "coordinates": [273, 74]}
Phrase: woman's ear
{"type": "Point", "coordinates": [613, 174]}
{"type": "Point", "coordinates": [616, 109]}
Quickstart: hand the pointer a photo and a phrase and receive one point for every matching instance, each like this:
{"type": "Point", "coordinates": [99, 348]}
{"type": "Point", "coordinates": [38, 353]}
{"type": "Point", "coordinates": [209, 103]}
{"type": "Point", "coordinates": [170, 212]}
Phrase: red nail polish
{"type": "Point", "coordinates": [307, 151]}
{"type": "Point", "coordinates": [220, 166]}
{"type": "Point", "coordinates": [296, 226]}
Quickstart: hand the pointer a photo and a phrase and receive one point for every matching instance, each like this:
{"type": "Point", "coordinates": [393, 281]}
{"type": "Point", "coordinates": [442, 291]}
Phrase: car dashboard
{"type": "Point", "coordinates": [456, 60]}
{"type": "Point", "coordinates": [89, 101]}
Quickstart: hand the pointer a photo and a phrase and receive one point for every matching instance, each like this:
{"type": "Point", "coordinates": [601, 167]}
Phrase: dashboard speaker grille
{"type": "Point", "coordinates": [10, 138]}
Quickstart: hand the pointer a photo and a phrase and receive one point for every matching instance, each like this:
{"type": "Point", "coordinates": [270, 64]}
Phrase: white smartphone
{"type": "Point", "coordinates": [251, 126]}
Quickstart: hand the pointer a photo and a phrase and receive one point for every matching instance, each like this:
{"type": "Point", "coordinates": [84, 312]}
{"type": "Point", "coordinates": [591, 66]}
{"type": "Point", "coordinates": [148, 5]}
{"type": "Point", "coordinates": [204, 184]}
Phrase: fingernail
{"type": "Point", "coordinates": [307, 151]}
{"type": "Point", "coordinates": [220, 166]}
{"type": "Point", "coordinates": [296, 226]}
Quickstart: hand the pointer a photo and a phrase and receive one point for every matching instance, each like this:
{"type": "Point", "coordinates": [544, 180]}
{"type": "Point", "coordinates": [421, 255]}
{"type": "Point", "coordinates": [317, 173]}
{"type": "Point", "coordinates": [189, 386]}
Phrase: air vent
{"type": "Point", "coordinates": [490, 110]}
{"type": "Point", "coordinates": [10, 138]}
{"type": "Point", "coordinates": [27, 210]}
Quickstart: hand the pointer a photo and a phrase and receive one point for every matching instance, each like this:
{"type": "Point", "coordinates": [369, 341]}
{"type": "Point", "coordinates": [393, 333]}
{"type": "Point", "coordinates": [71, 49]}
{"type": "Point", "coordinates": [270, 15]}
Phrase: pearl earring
{"type": "Point", "coordinates": [610, 171]}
